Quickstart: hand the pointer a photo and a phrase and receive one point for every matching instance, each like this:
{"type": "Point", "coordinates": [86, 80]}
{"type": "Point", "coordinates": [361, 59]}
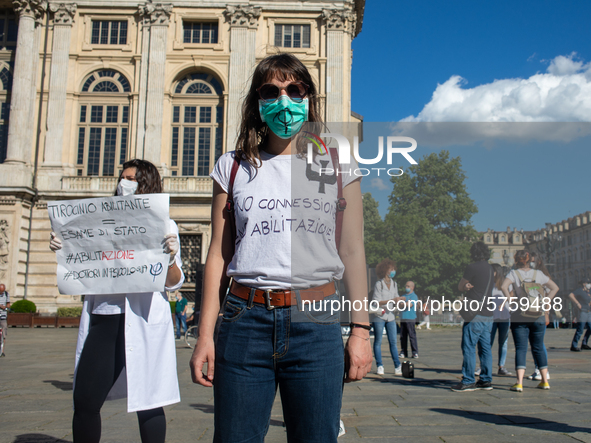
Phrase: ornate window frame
{"type": "Point", "coordinates": [180, 17]}
{"type": "Point", "coordinates": [314, 34]}
{"type": "Point", "coordinates": [87, 28]}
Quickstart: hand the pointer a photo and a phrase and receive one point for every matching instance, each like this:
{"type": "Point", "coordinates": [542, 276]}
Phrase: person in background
{"type": "Point", "coordinates": [180, 313]}
{"type": "Point", "coordinates": [125, 347]}
{"type": "Point", "coordinates": [581, 297]}
{"type": "Point", "coordinates": [478, 283]}
{"type": "Point", "coordinates": [408, 318]}
{"type": "Point", "coordinates": [524, 328]}
{"type": "Point", "coordinates": [425, 321]}
{"type": "Point", "coordinates": [385, 290]}
{"type": "Point", "coordinates": [501, 318]}
{"type": "Point", "coordinates": [4, 306]}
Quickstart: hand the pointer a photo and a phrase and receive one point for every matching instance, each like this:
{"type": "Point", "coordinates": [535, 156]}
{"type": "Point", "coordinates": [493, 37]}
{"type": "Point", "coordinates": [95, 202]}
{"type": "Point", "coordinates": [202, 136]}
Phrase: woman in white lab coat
{"type": "Point", "coordinates": [125, 343]}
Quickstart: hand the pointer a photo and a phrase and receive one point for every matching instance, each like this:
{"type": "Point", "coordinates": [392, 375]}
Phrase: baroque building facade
{"type": "Point", "coordinates": [87, 85]}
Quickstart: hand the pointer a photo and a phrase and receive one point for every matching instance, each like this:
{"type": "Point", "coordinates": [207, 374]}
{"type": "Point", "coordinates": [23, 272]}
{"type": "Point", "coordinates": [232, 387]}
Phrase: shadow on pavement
{"type": "Point", "coordinates": [208, 409]}
{"type": "Point", "coordinates": [515, 420]}
{"type": "Point", "coordinates": [423, 382]}
{"type": "Point", "coordinates": [38, 438]}
{"type": "Point", "coordinates": [63, 385]}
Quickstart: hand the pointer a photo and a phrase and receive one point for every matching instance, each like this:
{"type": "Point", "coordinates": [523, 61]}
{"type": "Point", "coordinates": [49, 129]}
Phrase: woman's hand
{"type": "Point", "coordinates": [55, 244]}
{"type": "Point", "coordinates": [171, 245]}
{"type": "Point", "coordinates": [204, 353]}
{"type": "Point", "coordinates": [358, 356]}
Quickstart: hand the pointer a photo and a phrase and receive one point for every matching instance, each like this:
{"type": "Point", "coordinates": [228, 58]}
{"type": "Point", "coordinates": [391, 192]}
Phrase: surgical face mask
{"type": "Point", "coordinates": [126, 187]}
{"type": "Point", "coordinates": [284, 116]}
{"type": "Point", "coordinates": [588, 285]}
{"type": "Point", "coordinates": [532, 265]}
{"type": "Point", "coordinates": [407, 290]}
{"type": "Point", "coordinates": [392, 274]}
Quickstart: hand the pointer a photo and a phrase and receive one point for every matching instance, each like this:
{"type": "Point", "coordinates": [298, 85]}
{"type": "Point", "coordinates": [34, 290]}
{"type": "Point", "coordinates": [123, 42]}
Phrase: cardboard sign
{"type": "Point", "coordinates": [111, 245]}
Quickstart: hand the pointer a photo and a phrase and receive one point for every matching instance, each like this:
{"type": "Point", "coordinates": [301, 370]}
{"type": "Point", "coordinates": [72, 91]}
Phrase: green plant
{"type": "Point", "coordinates": [23, 306]}
{"type": "Point", "coordinates": [69, 312]}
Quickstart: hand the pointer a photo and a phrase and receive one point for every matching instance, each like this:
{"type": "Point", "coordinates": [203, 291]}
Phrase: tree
{"type": "Point", "coordinates": [428, 226]}
{"type": "Point", "coordinates": [373, 231]}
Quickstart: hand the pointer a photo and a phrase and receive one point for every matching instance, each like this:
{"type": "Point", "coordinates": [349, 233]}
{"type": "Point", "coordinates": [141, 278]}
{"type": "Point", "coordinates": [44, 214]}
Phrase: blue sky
{"type": "Point", "coordinates": [485, 61]}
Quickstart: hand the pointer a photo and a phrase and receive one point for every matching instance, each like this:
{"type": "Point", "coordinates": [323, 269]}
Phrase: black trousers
{"type": "Point", "coordinates": [101, 362]}
{"type": "Point", "coordinates": [407, 331]}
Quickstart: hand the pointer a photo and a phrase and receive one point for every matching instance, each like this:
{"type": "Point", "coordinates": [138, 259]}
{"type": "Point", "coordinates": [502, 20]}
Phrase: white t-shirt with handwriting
{"type": "Point", "coordinates": [285, 220]}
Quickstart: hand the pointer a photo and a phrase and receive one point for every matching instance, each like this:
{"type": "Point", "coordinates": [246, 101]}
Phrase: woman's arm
{"type": "Point", "coordinates": [574, 299]}
{"type": "Point", "coordinates": [505, 288]}
{"type": "Point", "coordinates": [352, 253]}
{"type": "Point", "coordinates": [215, 283]}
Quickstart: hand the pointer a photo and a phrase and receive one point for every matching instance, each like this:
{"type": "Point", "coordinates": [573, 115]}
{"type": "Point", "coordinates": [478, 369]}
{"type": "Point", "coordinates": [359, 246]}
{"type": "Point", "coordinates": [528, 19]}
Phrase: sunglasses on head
{"type": "Point", "coordinates": [296, 91]}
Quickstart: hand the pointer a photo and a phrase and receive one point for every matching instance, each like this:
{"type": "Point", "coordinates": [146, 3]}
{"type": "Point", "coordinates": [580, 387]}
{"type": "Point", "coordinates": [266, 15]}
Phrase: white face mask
{"type": "Point", "coordinates": [588, 285]}
{"type": "Point", "coordinates": [126, 187]}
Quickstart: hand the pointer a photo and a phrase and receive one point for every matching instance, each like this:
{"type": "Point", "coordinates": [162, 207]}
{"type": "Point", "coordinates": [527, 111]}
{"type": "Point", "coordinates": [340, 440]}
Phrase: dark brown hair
{"type": "Point", "coordinates": [539, 261]}
{"type": "Point", "coordinates": [383, 267]}
{"type": "Point", "coordinates": [522, 258]}
{"type": "Point", "coordinates": [253, 133]}
{"type": "Point", "coordinates": [147, 176]}
{"type": "Point", "coordinates": [499, 275]}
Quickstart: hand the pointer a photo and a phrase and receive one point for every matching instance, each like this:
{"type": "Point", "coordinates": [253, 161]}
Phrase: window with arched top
{"type": "Point", "coordinates": [197, 124]}
{"type": "Point", "coordinates": [103, 123]}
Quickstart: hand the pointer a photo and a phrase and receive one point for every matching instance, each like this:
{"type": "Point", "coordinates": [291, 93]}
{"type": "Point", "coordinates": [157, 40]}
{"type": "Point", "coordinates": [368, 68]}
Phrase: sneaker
{"type": "Point", "coordinates": [398, 370]}
{"type": "Point", "coordinates": [544, 386]}
{"type": "Point", "coordinates": [586, 347]}
{"type": "Point", "coordinates": [517, 387]}
{"type": "Point", "coordinates": [341, 429]}
{"type": "Point", "coordinates": [484, 385]}
{"type": "Point", "coordinates": [380, 370]}
{"type": "Point", "coordinates": [477, 371]}
{"type": "Point", "coordinates": [575, 349]}
{"type": "Point", "coordinates": [504, 371]}
{"type": "Point", "coordinates": [535, 375]}
{"type": "Point", "coordinates": [401, 355]}
{"type": "Point", "coordinates": [3, 355]}
{"type": "Point", "coordinates": [418, 327]}
{"type": "Point", "coordinates": [461, 387]}
{"type": "Point", "coordinates": [428, 329]}
{"type": "Point", "coordinates": [415, 356]}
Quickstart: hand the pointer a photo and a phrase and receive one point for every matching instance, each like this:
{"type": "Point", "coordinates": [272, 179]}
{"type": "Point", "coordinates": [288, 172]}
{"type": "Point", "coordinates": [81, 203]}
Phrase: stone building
{"type": "Point", "coordinates": [86, 85]}
{"type": "Point", "coordinates": [565, 247]}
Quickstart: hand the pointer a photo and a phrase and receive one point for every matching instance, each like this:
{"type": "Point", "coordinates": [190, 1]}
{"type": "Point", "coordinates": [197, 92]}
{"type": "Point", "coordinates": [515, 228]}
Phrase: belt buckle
{"type": "Point", "coordinates": [267, 296]}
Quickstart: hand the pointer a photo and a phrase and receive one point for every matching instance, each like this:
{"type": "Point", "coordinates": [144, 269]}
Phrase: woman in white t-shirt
{"type": "Point", "coordinates": [279, 244]}
{"type": "Point", "coordinates": [125, 342]}
{"type": "Point", "coordinates": [524, 328]}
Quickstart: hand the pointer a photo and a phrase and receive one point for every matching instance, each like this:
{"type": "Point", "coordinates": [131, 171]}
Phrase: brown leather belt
{"type": "Point", "coordinates": [281, 298]}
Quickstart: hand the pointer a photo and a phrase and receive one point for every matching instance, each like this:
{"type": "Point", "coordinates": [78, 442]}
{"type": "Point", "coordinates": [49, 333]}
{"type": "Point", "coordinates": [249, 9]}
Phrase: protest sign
{"type": "Point", "coordinates": [111, 245]}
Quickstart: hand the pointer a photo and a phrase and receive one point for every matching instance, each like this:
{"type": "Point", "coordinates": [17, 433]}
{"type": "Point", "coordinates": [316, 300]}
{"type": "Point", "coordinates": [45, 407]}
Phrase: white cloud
{"type": "Point", "coordinates": [561, 94]}
{"type": "Point", "coordinates": [379, 184]}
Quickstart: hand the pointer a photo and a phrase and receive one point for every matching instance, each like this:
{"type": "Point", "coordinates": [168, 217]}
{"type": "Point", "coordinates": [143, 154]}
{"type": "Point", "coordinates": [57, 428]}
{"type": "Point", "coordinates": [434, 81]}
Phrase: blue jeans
{"type": "Point", "coordinates": [378, 330]}
{"type": "Point", "coordinates": [180, 318]}
{"type": "Point", "coordinates": [584, 320]}
{"type": "Point", "coordinates": [477, 333]}
{"type": "Point", "coordinates": [534, 331]}
{"type": "Point", "coordinates": [259, 350]}
{"type": "Point", "coordinates": [503, 327]}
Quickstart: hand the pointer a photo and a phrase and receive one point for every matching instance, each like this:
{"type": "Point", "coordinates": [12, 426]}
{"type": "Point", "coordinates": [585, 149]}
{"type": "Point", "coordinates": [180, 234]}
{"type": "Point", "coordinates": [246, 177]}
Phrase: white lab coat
{"type": "Point", "coordinates": [149, 379]}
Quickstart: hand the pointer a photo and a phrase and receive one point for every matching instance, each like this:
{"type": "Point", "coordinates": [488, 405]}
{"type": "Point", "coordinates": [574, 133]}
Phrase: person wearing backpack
{"type": "Point", "coordinates": [581, 297]}
{"type": "Point", "coordinates": [386, 290]}
{"type": "Point", "coordinates": [528, 320]}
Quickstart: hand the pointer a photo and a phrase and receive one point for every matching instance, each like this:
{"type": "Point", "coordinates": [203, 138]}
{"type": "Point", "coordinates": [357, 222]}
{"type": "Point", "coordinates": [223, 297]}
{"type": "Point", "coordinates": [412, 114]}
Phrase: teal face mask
{"type": "Point", "coordinates": [284, 116]}
{"type": "Point", "coordinates": [407, 290]}
{"type": "Point", "coordinates": [392, 274]}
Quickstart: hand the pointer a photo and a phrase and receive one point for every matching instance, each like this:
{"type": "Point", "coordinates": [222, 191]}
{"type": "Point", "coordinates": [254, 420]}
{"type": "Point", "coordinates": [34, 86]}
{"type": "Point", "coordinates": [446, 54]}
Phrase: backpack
{"type": "Point", "coordinates": [408, 369]}
{"type": "Point", "coordinates": [532, 292]}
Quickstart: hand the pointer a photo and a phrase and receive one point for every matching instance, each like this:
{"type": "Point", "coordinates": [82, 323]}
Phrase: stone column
{"type": "Point", "coordinates": [338, 23]}
{"type": "Point", "coordinates": [20, 125]}
{"type": "Point", "coordinates": [243, 25]}
{"type": "Point", "coordinates": [63, 17]}
{"type": "Point", "coordinates": [143, 84]}
{"type": "Point", "coordinates": [159, 16]}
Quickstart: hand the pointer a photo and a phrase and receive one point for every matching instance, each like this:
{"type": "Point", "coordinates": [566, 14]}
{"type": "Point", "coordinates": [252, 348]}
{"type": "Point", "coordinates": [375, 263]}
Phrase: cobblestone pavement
{"type": "Point", "coordinates": [36, 398]}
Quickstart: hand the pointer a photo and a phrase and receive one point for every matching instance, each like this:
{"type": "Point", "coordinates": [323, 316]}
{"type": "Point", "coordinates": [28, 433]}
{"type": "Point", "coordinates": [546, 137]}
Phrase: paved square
{"type": "Point", "coordinates": [36, 397]}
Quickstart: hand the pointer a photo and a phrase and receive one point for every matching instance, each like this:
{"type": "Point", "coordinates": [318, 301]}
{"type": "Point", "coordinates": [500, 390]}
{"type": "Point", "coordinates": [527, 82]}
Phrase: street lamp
{"type": "Point", "coordinates": [506, 257]}
{"type": "Point", "coordinates": [549, 245]}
